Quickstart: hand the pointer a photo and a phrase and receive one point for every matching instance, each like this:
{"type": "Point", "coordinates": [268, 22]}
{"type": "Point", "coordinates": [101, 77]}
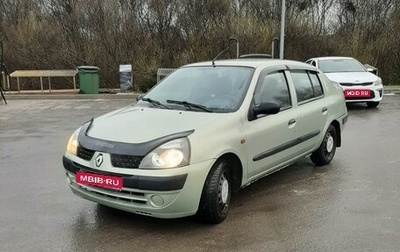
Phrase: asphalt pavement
{"type": "Point", "coordinates": [104, 94]}
{"type": "Point", "coordinates": [351, 204]}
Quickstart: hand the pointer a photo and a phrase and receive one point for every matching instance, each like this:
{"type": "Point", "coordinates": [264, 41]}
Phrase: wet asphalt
{"type": "Point", "coordinates": [352, 204]}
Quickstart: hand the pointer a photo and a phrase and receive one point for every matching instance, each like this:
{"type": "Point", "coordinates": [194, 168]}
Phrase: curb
{"type": "Point", "coordinates": [389, 90]}
{"type": "Point", "coordinates": [130, 96]}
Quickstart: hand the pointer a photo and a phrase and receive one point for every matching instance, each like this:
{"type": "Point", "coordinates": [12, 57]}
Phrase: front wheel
{"type": "Point", "coordinates": [216, 195]}
{"type": "Point", "coordinates": [372, 104]}
{"type": "Point", "coordinates": [324, 154]}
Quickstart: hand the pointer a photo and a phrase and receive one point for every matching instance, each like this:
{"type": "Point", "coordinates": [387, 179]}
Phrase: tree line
{"type": "Point", "coordinates": [149, 34]}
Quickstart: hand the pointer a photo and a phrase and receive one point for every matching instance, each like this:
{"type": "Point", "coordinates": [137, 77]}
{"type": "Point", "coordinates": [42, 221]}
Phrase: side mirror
{"type": "Point", "coordinates": [266, 108]}
{"type": "Point", "coordinates": [373, 71]}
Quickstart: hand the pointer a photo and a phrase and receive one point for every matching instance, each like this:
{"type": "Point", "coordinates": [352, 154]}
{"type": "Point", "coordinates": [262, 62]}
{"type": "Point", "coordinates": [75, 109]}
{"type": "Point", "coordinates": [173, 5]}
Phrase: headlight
{"type": "Point", "coordinates": [337, 85]}
{"type": "Point", "coordinates": [73, 143]}
{"type": "Point", "coordinates": [175, 153]}
{"type": "Point", "coordinates": [378, 82]}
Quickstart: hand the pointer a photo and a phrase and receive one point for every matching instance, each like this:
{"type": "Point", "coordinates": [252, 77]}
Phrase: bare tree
{"type": "Point", "coordinates": [168, 33]}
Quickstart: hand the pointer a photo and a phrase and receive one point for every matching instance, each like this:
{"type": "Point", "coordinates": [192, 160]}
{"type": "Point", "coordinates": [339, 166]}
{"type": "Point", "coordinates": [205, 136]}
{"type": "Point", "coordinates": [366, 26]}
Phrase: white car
{"type": "Point", "coordinates": [359, 85]}
{"type": "Point", "coordinates": [203, 132]}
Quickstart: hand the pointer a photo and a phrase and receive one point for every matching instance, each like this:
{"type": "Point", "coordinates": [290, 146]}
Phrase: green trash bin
{"type": "Point", "coordinates": [88, 79]}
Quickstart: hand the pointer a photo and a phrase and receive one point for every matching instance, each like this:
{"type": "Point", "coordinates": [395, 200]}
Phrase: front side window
{"type": "Point", "coordinates": [273, 88]}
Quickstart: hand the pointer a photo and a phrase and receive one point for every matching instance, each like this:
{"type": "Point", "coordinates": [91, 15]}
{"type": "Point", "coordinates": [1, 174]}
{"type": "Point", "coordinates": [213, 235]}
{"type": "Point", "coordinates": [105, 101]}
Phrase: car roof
{"type": "Point", "coordinates": [331, 58]}
{"type": "Point", "coordinates": [252, 62]}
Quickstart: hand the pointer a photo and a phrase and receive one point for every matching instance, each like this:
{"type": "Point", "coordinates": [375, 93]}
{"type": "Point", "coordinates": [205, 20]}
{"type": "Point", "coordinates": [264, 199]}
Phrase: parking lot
{"type": "Point", "coordinates": [351, 204]}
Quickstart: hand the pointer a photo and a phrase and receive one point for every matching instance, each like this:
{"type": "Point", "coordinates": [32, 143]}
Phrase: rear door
{"type": "Point", "coordinates": [312, 108]}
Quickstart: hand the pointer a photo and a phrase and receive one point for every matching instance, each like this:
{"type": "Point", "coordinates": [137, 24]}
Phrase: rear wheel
{"type": "Point", "coordinates": [372, 104]}
{"type": "Point", "coordinates": [216, 195]}
{"type": "Point", "coordinates": [324, 154]}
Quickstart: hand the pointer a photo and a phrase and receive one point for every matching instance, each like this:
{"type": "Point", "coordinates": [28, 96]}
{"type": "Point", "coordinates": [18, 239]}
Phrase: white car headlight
{"type": "Point", "coordinates": [175, 153]}
{"type": "Point", "coordinates": [378, 82]}
{"type": "Point", "coordinates": [73, 143]}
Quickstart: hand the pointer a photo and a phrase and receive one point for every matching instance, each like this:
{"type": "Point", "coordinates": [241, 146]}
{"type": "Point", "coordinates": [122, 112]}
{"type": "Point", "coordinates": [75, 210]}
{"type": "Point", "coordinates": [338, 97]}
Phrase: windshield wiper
{"type": "Point", "coordinates": [154, 102]}
{"type": "Point", "coordinates": [190, 105]}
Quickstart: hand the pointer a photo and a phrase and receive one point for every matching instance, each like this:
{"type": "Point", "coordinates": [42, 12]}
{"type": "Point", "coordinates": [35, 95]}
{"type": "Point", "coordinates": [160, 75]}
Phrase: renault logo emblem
{"type": "Point", "coordinates": [99, 160]}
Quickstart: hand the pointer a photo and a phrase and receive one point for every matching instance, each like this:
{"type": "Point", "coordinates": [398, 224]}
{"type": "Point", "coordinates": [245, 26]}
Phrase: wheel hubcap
{"type": "Point", "coordinates": [329, 143]}
{"type": "Point", "coordinates": [224, 190]}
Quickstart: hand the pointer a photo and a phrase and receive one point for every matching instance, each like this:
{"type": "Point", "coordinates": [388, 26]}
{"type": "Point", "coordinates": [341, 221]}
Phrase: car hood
{"type": "Point", "coordinates": [352, 77]}
{"type": "Point", "coordinates": [139, 124]}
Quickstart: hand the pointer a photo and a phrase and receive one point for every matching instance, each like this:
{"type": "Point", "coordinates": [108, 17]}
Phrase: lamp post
{"type": "Point", "coordinates": [1, 62]}
{"type": "Point", "coordinates": [1, 55]}
{"type": "Point", "coordinates": [237, 45]}
{"type": "Point", "coordinates": [282, 37]}
{"type": "Point", "coordinates": [1, 71]}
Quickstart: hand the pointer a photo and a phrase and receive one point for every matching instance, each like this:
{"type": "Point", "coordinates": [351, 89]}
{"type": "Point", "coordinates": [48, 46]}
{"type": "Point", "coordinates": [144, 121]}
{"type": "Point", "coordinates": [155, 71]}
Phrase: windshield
{"type": "Point", "coordinates": [205, 89]}
{"type": "Point", "coordinates": [340, 65]}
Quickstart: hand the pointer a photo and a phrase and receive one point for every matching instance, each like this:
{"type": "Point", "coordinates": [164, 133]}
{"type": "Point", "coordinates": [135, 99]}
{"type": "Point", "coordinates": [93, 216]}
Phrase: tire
{"type": "Point", "coordinates": [372, 104]}
{"type": "Point", "coordinates": [326, 151]}
{"type": "Point", "coordinates": [216, 195]}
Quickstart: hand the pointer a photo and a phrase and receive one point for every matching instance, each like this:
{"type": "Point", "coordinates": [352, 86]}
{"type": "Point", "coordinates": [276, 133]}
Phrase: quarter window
{"type": "Point", "coordinates": [316, 84]}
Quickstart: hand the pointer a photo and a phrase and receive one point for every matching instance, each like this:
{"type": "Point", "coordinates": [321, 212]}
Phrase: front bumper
{"type": "Point", "coordinates": [169, 193]}
{"type": "Point", "coordinates": [375, 91]}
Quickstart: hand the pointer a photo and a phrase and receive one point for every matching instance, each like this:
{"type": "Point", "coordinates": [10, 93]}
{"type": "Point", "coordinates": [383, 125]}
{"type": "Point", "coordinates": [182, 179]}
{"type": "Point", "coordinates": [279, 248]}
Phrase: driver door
{"type": "Point", "coordinates": [269, 137]}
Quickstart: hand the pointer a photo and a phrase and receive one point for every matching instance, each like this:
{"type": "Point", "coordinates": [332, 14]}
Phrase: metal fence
{"type": "Point", "coordinates": [163, 72]}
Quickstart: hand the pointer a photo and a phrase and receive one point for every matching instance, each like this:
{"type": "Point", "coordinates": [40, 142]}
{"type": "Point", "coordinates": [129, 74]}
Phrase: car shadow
{"type": "Point", "coordinates": [272, 197]}
{"type": "Point", "coordinates": [359, 106]}
{"type": "Point", "coordinates": [301, 171]}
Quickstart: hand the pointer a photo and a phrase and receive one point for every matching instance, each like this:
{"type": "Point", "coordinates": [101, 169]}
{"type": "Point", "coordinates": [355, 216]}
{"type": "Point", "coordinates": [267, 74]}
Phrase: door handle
{"type": "Point", "coordinates": [324, 109]}
{"type": "Point", "coordinates": [292, 121]}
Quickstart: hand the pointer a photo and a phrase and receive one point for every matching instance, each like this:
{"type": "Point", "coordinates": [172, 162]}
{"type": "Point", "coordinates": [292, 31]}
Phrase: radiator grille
{"type": "Point", "coordinates": [84, 153]}
{"type": "Point", "coordinates": [125, 161]}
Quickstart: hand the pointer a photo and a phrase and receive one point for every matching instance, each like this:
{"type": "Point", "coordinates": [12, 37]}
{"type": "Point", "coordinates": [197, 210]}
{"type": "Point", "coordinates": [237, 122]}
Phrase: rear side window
{"type": "Point", "coordinates": [307, 85]}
